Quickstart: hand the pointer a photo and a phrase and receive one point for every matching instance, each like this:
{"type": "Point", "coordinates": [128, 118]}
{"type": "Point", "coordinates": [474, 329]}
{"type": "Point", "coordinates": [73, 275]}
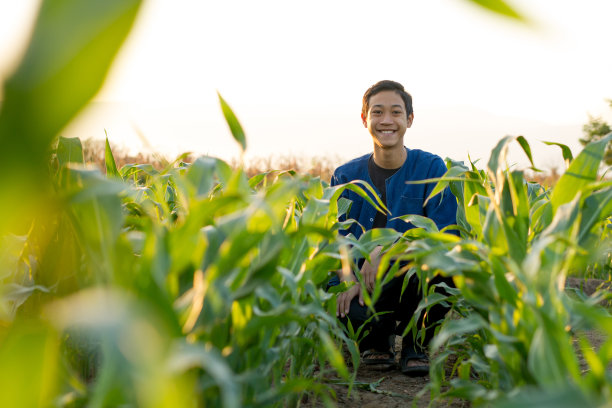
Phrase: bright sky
{"type": "Point", "coordinates": [294, 73]}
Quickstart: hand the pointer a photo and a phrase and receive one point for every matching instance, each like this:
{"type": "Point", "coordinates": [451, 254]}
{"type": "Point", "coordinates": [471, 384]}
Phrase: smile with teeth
{"type": "Point", "coordinates": [387, 132]}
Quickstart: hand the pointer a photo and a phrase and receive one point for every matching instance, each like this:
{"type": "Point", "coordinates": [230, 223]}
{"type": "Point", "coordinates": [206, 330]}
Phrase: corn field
{"type": "Point", "coordinates": [196, 285]}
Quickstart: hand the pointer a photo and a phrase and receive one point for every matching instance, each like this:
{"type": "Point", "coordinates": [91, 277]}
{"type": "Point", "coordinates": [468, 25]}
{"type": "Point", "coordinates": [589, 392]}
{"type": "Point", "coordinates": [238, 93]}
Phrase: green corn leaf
{"type": "Point", "coordinates": [514, 206]}
{"type": "Point", "coordinates": [233, 123]}
{"type": "Point", "coordinates": [295, 386]}
{"type": "Point", "coordinates": [468, 390]}
{"type": "Point", "coordinates": [29, 363]}
{"type": "Point", "coordinates": [443, 183]}
{"type": "Point", "coordinates": [17, 294]}
{"type": "Point", "coordinates": [493, 231]}
{"type": "Point", "coordinates": [188, 356]}
{"type": "Point", "coordinates": [452, 174]}
{"type": "Point", "coordinates": [359, 187]}
{"type": "Point", "coordinates": [419, 221]}
{"type": "Point", "coordinates": [597, 207]}
{"type": "Point", "coordinates": [581, 172]}
{"type": "Point", "coordinates": [256, 179]}
{"type": "Point", "coordinates": [475, 203]}
{"type": "Point", "coordinates": [527, 149]}
{"type": "Point", "coordinates": [567, 396]}
{"type": "Point", "coordinates": [334, 356]}
{"type": "Point", "coordinates": [109, 160]}
{"type": "Point", "coordinates": [500, 7]}
{"type": "Point", "coordinates": [81, 185]}
{"type": "Point", "coordinates": [427, 303]}
{"type": "Point", "coordinates": [69, 150]}
{"type": "Point", "coordinates": [97, 216]}
{"type": "Point", "coordinates": [564, 223]}
{"type": "Point", "coordinates": [497, 161]}
{"type": "Point", "coordinates": [201, 175]}
{"type": "Point", "coordinates": [70, 52]}
{"type": "Point", "coordinates": [541, 216]}
{"type": "Point", "coordinates": [378, 236]}
{"type": "Point", "coordinates": [460, 327]}
{"type": "Point", "coordinates": [566, 151]}
{"type": "Point", "coordinates": [547, 361]}
{"type": "Point", "coordinates": [595, 363]}
{"type": "Point", "coordinates": [449, 264]}
{"type": "Point", "coordinates": [344, 206]}
{"type": "Point", "coordinates": [135, 171]}
{"type": "Point", "coordinates": [505, 290]}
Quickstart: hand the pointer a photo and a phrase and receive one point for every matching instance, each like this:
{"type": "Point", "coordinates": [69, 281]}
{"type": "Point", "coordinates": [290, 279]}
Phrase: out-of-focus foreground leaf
{"type": "Point", "coordinates": [500, 7]}
{"type": "Point", "coordinates": [70, 51]}
{"type": "Point", "coordinates": [28, 365]}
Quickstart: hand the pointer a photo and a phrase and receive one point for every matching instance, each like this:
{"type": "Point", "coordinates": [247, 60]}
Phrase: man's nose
{"type": "Point", "coordinates": [387, 118]}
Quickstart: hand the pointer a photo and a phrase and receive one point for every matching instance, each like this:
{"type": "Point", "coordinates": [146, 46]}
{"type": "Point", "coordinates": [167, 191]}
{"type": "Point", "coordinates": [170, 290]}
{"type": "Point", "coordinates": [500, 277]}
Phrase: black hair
{"type": "Point", "coordinates": [386, 85]}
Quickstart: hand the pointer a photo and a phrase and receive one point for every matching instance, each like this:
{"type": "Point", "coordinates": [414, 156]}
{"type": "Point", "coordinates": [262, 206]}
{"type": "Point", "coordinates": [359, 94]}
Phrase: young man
{"type": "Point", "coordinates": [387, 114]}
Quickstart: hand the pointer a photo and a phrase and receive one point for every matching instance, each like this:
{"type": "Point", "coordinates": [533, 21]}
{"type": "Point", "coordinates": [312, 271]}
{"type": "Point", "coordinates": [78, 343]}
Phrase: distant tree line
{"type": "Point", "coordinates": [595, 129]}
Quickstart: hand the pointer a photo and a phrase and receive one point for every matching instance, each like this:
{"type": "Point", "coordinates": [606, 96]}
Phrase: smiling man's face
{"type": "Point", "coordinates": [387, 120]}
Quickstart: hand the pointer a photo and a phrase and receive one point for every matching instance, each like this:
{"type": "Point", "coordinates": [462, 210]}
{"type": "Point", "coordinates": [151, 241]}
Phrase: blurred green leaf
{"type": "Point", "coordinates": [469, 324]}
{"type": "Point", "coordinates": [109, 161]}
{"type": "Point", "coordinates": [567, 396]}
{"type": "Point", "coordinates": [186, 356]}
{"type": "Point", "coordinates": [69, 150]}
{"type": "Point", "coordinates": [29, 365]}
{"type": "Point", "coordinates": [334, 357]}
{"type": "Point", "coordinates": [233, 123]}
{"type": "Point", "coordinates": [201, 175]}
{"type": "Point", "coordinates": [70, 52]}
{"type": "Point", "coordinates": [545, 360]}
{"type": "Point", "coordinates": [17, 294]}
{"type": "Point", "coordinates": [98, 218]}
{"type": "Point", "coordinates": [504, 288]}
{"type": "Point", "coordinates": [499, 7]}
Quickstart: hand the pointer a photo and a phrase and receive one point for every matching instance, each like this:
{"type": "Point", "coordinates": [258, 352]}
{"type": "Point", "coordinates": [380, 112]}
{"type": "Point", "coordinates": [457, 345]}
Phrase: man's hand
{"type": "Point", "coordinates": [343, 302]}
{"type": "Point", "coordinates": [369, 270]}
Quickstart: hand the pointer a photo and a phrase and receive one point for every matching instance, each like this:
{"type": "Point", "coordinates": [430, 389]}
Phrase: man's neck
{"type": "Point", "coordinates": [389, 158]}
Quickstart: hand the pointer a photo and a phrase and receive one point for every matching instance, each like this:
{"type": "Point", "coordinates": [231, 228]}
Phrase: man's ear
{"type": "Point", "coordinates": [410, 119]}
{"type": "Point", "coordinates": [364, 119]}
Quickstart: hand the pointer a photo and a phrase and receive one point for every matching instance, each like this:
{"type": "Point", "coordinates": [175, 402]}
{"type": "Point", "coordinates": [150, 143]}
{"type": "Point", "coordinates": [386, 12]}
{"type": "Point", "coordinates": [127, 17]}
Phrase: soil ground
{"type": "Point", "coordinates": [397, 390]}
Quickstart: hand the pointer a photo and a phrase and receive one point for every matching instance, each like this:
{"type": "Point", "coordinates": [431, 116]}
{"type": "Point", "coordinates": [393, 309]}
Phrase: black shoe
{"type": "Point", "coordinates": [414, 370]}
{"type": "Point", "coordinates": [380, 360]}
{"type": "Point", "coordinates": [413, 352]}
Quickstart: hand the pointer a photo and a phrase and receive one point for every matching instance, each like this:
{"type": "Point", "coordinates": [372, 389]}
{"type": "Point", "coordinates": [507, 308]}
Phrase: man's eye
{"type": "Point", "coordinates": [376, 112]}
{"type": "Point", "coordinates": [397, 112]}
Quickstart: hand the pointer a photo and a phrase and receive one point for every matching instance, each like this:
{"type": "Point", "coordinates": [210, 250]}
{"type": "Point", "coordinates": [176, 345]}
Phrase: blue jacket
{"type": "Point", "coordinates": [402, 198]}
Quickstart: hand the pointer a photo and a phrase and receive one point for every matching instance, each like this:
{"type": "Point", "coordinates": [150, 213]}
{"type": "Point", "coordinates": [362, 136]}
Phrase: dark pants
{"type": "Point", "coordinates": [383, 328]}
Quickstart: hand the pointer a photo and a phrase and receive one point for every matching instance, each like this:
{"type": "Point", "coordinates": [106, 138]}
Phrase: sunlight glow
{"type": "Point", "coordinates": [295, 74]}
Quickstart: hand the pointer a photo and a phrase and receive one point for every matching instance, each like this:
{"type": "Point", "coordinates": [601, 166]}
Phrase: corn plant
{"type": "Point", "coordinates": [516, 334]}
{"type": "Point", "coordinates": [187, 286]}
{"type": "Point", "coordinates": [220, 275]}
{"type": "Point", "coordinates": [196, 286]}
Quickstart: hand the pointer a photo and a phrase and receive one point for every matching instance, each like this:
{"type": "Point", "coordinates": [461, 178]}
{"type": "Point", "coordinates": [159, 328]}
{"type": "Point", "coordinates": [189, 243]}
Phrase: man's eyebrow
{"type": "Point", "coordinates": [381, 106]}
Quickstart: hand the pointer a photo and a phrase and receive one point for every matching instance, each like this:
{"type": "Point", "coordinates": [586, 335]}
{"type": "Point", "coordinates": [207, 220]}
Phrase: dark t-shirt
{"type": "Point", "coordinates": [379, 176]}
